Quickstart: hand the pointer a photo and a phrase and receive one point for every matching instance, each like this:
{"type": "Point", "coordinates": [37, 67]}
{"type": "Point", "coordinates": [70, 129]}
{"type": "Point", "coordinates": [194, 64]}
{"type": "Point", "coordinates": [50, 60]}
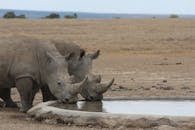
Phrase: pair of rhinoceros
{"type": "Point", "coordinates": [60, 70]}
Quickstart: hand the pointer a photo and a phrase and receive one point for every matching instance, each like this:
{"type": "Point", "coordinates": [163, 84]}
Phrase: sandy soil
{"type": "Point", "coordinates": [147, 57]}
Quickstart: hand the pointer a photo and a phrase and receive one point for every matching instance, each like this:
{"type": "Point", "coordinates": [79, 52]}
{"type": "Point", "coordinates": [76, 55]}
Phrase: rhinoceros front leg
{"type": "Point", "coordinates": [5, 95]}
{"type": "Point", "coordinates": [27, 92]}
{"type": "Point", "coordinates": [46, 93]}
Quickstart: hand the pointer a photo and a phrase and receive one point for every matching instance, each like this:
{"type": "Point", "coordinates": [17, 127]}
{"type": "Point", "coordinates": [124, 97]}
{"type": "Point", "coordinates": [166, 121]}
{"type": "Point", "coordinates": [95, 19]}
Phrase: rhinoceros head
{"type": "Point", "coordinates": [57, 78]}
{"type": "Point", "coordinates": [83, 66]}
{"type": "Point", "coordinates": [93, 89]}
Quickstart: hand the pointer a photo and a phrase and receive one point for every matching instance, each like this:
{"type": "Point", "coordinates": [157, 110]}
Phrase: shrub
{"type": "Point", "coordinates": [53, 16]}
{"type": "Point", "coordinates": [9, 15]}
{"type": "Point", "coordinates": [12, 15]}
{"type": "Point", "coordinates": [21, 16]}
{"type": "Point", "coordinates": [116, 17]}
{"type": "Point", "coordinates": [173, 16]}
{"type": "Point", "coordinates": [74, 16]}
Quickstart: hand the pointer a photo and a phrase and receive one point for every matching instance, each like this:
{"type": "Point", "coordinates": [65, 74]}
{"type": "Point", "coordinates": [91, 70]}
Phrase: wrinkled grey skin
{"type": "Point", "coordinates": [28, 64]}
{"type": "Point", "coordinates": [80, 66]}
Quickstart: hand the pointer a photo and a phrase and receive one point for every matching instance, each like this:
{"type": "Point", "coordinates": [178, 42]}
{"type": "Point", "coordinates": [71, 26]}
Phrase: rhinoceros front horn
{"type": "Point", "coordinates": [76, 88]}
{"type": "Point", "coordinates": [102, 88]}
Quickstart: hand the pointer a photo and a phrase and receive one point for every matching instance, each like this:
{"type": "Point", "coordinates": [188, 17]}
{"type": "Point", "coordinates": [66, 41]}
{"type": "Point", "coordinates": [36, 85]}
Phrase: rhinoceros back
{"type": "Point", "coordinates": [18, 57]}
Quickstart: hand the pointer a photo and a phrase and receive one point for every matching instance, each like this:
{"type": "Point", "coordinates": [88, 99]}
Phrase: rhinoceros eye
{"type": "Point", "coordinates": [59, 83]}
{"type": "Point", "coordinates": [49, 60]}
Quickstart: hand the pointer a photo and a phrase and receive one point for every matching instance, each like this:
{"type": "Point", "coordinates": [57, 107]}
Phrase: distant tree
{"type": "Point", "coordinates": [173, 16]}
{"type": "Point", "coordinates": [74, 16]}
{"type": "Point", "coordinates": [53, 16]}
{"type": "Point", "coordinates": [12, 15]}
{"type": "Point", "coordinates": [21, 16]}
{"type": "Point", "coordinates": [9, 15]}
{"type": "Point", "coordinates": [116, 17]}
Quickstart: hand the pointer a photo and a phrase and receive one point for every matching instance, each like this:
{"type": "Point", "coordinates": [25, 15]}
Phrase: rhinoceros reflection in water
{"type": "Point", "coordinates": [83, 106]}
{"type": "Point", "coordinates": [91, 106]}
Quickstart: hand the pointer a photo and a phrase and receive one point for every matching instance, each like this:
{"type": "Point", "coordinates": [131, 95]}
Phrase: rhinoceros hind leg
{"type": "Point", "coordinates": [5, 95]}
{"type": "Point", "coordinates": [27, 91]}
{"type": "Point", "coordinates": [46, 93]}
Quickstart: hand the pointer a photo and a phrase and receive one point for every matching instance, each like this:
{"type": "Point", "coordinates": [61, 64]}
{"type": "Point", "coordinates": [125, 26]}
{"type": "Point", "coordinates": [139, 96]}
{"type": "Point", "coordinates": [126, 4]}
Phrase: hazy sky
{"type": "Point", "coordinates": [105, 6]}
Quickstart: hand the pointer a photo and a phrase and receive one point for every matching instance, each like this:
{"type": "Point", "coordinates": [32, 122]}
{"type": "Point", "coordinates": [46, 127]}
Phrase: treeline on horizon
{"type": "Point", "coordinates": [11, 14]}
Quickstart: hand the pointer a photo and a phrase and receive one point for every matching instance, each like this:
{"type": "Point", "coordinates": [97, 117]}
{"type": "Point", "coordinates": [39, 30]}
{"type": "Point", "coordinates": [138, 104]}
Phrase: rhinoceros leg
{"type": "Point", "coordinates": [27, 91]}
{"type": "Point", "coordinates": [46, 93]}
{"type": "Point", "coordinates": [5, 95]}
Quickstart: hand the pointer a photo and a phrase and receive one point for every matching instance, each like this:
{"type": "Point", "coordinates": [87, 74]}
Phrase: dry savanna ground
{"type": "Point", "coordinates": [147, 57]}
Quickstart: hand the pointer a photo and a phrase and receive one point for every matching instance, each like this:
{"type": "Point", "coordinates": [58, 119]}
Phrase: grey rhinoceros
{"type": "Point", "coordinates": [80, 66]}
{"type": "Point", "coordinates": [30, 64]}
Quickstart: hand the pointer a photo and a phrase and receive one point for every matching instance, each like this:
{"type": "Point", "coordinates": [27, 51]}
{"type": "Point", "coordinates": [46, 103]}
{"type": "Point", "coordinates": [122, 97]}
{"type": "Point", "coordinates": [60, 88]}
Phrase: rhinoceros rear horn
{"type": "Point", "coordinates": [99, 79]}
{"type": "Point", "coordinates": [78, 86]}
{"type": "Point", "coordinates": [102, 88]}
{"type": "Point", "coordinates": [95, 78]}
{"type": "Point", "coordinates": [69, 56]}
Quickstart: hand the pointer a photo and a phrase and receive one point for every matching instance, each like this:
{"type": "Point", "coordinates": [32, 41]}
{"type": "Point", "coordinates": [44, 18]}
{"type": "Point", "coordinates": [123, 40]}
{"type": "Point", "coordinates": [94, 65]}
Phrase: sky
{"type": "Point", "coordinates": [105, 6]}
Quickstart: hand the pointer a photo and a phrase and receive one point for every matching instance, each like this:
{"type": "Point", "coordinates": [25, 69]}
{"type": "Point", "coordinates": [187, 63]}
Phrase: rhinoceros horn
{"type": "Point", "coordinates": [99, 78]}
{"type": "Point", "coordinates": [103, 87]}
{"type": "Point", "coordinates": [78, 86]}
{"type": "Point", "coordinates": [96, 78]}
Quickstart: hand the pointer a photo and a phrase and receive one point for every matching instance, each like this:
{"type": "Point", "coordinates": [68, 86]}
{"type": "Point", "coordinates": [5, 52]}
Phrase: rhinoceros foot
{"type": "Point", "coordinates": [11, 105]}
{"type": "Point", "coordinates": [25, 108]}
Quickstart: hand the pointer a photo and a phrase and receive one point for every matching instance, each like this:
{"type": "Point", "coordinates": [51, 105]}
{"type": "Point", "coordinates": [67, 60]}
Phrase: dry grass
{"type": "Point", "coordinates": [134, 36]}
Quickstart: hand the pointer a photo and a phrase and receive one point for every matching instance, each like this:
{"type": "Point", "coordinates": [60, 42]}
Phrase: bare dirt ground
{"type": "Point", "coordinates": [147, 57]}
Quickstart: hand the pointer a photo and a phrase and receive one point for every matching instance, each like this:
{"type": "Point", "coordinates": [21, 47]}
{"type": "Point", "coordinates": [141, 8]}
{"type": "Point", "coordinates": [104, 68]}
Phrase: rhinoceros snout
{"type": "Point", "coordinates": [65, 100]}
{"type": "Point", "coordinates": [90, 98]}
{"type": "Point", "coordinates": [95, 98]}
{"type": "Point", "coordinates": [69, 101]}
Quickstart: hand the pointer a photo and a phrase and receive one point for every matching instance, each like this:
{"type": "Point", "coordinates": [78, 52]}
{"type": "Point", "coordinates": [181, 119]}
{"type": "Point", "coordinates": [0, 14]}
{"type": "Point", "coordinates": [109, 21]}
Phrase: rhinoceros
{"type": "Point", "coordinates": [30, 64]}
{"type": "Point", "coordinates": [93, 89]}
{"type": "Point", "coordinates": [80, 66]}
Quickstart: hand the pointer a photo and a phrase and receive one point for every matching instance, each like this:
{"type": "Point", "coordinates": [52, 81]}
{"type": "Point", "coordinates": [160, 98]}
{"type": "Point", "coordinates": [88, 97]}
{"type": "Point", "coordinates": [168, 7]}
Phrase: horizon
{"type": "Point", "coordinates": [100, 6]}
{"type": "Point", "coordinates": [91, 12]}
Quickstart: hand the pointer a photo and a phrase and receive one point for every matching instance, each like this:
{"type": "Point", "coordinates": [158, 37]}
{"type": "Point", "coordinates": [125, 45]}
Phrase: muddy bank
{"type": "Point", "coordinates": [52, 115]}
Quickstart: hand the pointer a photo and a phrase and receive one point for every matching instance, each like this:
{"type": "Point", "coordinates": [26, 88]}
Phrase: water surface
{"type": "Point", "coordinates": [145, 107]}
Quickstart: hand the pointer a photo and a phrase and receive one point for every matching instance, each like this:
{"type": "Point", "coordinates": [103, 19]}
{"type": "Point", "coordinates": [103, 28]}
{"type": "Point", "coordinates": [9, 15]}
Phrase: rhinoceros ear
{"type": "Point", "coordinates": [95, 54]}
{"type": "Point", "coordinates": [82, 53]}
{"type": "Point", "coordinates": [69, 56]}
{"type": "Point", "coordinates": [50, 58]}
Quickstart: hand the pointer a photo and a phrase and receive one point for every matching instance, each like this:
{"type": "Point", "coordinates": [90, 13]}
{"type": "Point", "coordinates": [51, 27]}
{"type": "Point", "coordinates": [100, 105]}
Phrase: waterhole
{"type": "Point", "coordinates": [144, 107]}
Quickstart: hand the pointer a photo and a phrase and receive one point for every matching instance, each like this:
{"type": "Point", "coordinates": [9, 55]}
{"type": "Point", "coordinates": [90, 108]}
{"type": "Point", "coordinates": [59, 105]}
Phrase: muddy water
{"type": "Point", "coordinates": [170, 108]}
